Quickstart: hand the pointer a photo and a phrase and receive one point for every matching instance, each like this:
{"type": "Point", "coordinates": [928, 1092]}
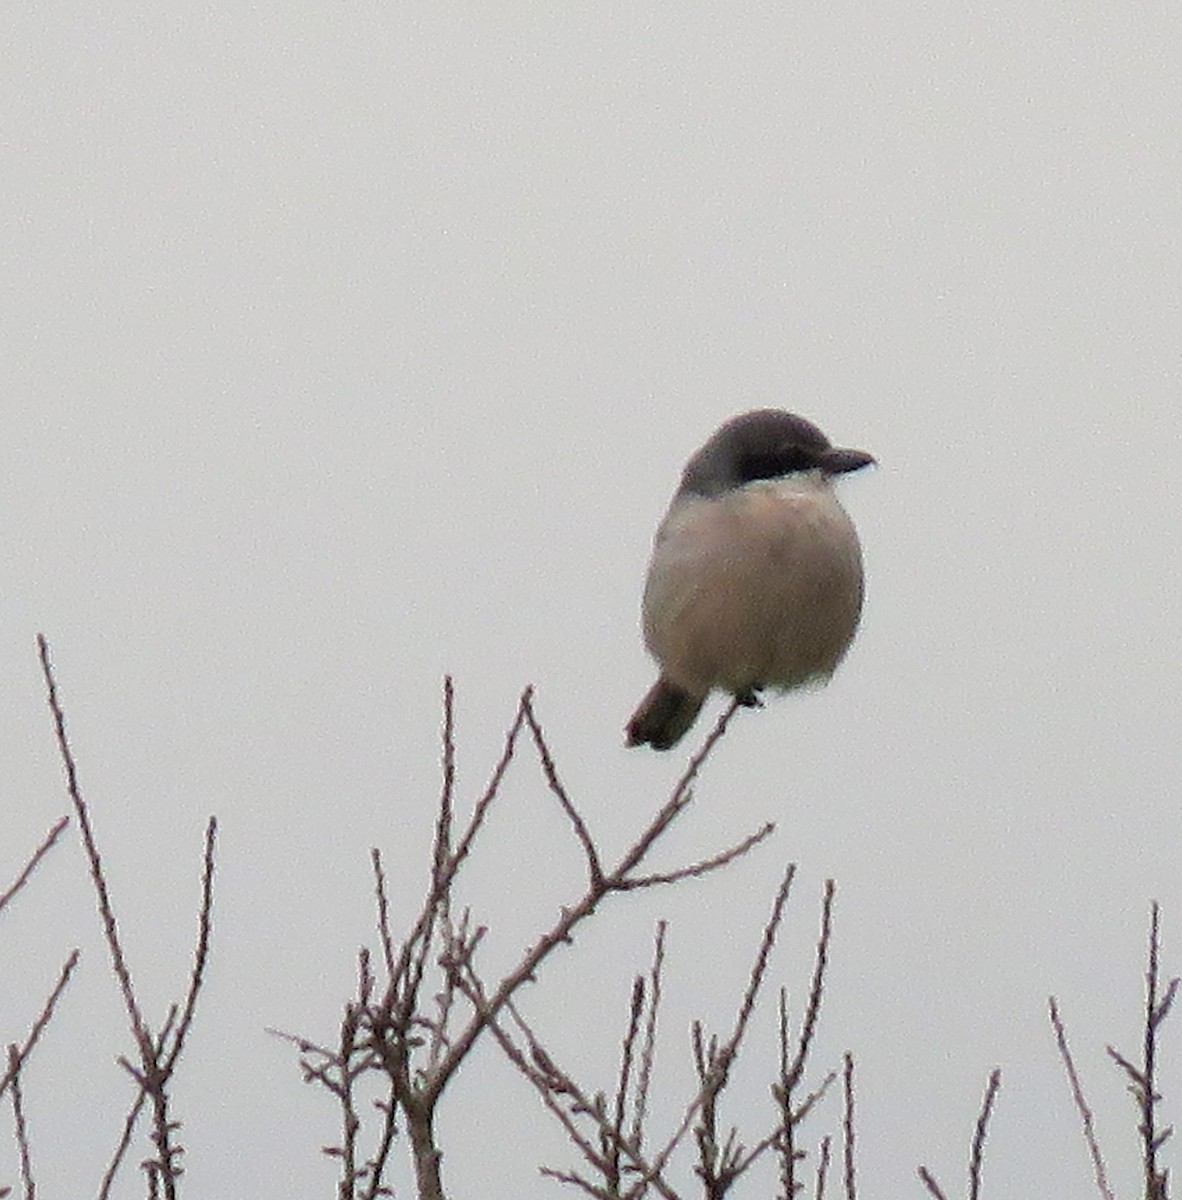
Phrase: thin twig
{"type": "Point", "coordinates": [759, 969]}
{"type": "Point", "coordinates": [118, 962]}
{"type": "Point", "coordinates": [1156, 1011]}
{"type": "Point", "coordinates": [464, 845]}
{"type": "Point", "coordinates": [38, 854]}
{"type": "Point", "coordinates": [851, 1190]}
{"type": "Point", "coordinates": [1149, 1097]}
{"type": "Point", "coordinates": [783, 1096]}
{"type": "Point", "coordinates": [823, 1167]}
{"type": "Point", "coordinates": [719, 1169]}
{"type": "Point", "coordinates": [791, 1071]}
{"type": "Point", "coordinates": [200, 953]}
{"type": "Point", "coordinates": [573, 1177]}
{"type": "Point", "coordinates": [594, 866]}
{"type": "Point", "coordinates": [121, 1146]}
{"type": "Point", "coordinates": [816, 1095]}
{"type": "Point", "coordinates": [682, 794]}
{"type": "Point", "coordinates": [1143, 1079]}
{"type": "Point", "coordinates": [443, 824]}
{"type": "Point", "coordinates": [43, 1017]}
{"type": "Point", "coordinates": [623, 1084]}
{"type": "Point", "coordinates": [384, 935]}
{"type": "Point", "coordinates": [1081, 1104]}
{"type": "Point", "coordinates": [813, 1007]}
{"type": "Point", "coordinates": [15, 1062]}
{"type": "Point", "coordinates": [930, 1183]}
{"type": "Point", "coordinates": [977, 1152]}
{"type": "Point", "coordinates": [408, 974]}
{"type": "Point", "coordinates": [703, 867]}
{"type": "Point", "coordinates": [552, 1083]}
{"type": "Point", "coordinates": [648, 1051]}
{"type": "Point", "coordinates": [377, 1164]}
{"type": "Point", "coordinates": [158, 1055]}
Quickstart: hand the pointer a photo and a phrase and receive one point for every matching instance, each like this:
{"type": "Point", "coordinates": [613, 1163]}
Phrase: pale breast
{"type": "Point", "coordinates": [760, 587]}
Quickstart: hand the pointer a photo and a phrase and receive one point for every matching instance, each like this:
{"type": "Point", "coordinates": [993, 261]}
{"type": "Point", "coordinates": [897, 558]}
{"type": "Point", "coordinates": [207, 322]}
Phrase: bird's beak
{"type": "Point", "coordinates": [837, 461]}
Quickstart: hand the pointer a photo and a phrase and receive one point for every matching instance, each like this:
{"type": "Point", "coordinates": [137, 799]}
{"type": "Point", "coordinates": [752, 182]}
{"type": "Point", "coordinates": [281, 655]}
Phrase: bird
{"type": "Point", "coordinates": [755, 580]}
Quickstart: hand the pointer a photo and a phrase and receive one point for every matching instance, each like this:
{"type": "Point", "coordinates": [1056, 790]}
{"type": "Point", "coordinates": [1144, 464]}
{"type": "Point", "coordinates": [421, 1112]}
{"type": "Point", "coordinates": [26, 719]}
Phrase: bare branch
{"type": "Point", "coordinates": [823, 1162]}
{"type": "Point", "coordinates": [551, 1084]}
{"type": "Point", "coordinates": [200, 954]}
{"type": "Point", "coordinates": [413, 957]}
{"type": "Point", "coordinates": [464, 846]}
{"type": "Point", "coordinates": [567, 1101]}
{"type": "Point", "coordinates": [1142, 1080]}
{"type": "Point", "coordinates": [1156, 1010]}
{"type": "Point", "coordinates": [384, 935]}
{"type": "Point", "coordinates": [15, 1062]}
{"type": "Point", "coordinates": [47, 844]}
{"type": "Point", "coordinates": [594, 866]}
{"type": "Point", "coordinates": [682, 794]}
{"type": "Point", "coordinates": [813, 1008]}
{"type": "Point", "coordinates": [627, 1057]}
{"type": "Point", "coordinates": [118, 962]}
{"type": "Point", "coordinates": [43, 1019]}
{"type": "Point", "coordinates": [978, 1149]}
{"type": "Point", "coordinates": [121, 1146]}
{"type": "Point", "coordinates": [789, 1155]}
{"type": "Point", "coordinates": [814, 1097]}
{"type": "Point", "coordinates": [704, 867]}
{"type": "Point", "coordinates": [301, 1043]}
{"type": "Point", "coordinates": [743, 1161]}
{"type": "Point", "coordinates": [792, 1071]}
{"type": "Point", "coordinates": [443, 824]}
{"type": "Point", "coordinates": [851, 1191]}
{"type": "Point", "coordinates": [1135, 1074]}
{"type": "Point", "coordinates": [759, 969]}
{"type": "Point", "coordinates": [446, 864]}
{"type": "Point", "coordinates": [719, 1168]}
{"type": "Point", "coordinates": [930, 1183]}
{"type": "Point", "coordinates": [573, 1177]}
{"type": "Point", "coordinates": [648, 1050]}
{"type": "Point", "coordinates": [158, 1055]}
{"type": "Point", "coordinates": [1081, 1104]}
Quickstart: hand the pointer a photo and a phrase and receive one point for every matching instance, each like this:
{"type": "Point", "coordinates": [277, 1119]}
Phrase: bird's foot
{"type": "Point", "coordinates": [749, 698]}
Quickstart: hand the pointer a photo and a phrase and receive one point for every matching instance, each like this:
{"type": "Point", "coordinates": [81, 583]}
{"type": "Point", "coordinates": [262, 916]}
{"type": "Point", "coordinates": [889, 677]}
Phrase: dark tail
{"type": "Point", "coordinates": [663, 717]}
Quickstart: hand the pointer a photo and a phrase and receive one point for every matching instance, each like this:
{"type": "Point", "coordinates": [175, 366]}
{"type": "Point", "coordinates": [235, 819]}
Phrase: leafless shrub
{"type": "Point", "coordinates": [412, 1037]}
{"type": "Point", "coordinates": [618, 1152]}
{"type": "Point", "coordinates": [422, 1003]}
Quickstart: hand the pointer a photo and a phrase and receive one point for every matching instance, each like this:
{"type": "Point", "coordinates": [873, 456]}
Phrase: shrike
{"type": "Point", "coordinates": [755, 579]}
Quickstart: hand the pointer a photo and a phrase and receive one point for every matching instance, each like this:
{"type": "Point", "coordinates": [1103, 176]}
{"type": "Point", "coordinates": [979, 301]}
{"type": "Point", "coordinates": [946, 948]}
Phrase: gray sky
{"type": "Point", "coordinates": [343, 348]}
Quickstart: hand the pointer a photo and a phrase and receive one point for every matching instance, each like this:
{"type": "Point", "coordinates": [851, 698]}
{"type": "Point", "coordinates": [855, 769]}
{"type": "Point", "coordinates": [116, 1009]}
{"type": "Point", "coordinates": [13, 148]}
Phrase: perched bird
{"type": "Point", "coordinates": [755, 579]}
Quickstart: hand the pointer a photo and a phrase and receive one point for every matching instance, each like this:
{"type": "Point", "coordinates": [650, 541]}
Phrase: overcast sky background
{"type": "Point", "coordinates": [346, 346]}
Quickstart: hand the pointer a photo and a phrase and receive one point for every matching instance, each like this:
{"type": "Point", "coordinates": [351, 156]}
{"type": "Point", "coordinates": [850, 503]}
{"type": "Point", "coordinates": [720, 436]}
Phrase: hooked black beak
{"type": "Point", "coordinates": [837, 461]}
